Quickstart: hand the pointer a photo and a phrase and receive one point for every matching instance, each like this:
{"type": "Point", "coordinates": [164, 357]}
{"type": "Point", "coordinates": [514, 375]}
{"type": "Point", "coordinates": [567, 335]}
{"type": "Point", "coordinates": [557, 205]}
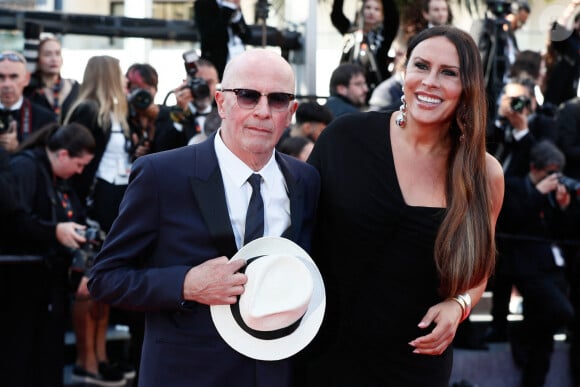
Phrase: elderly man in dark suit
{"type": "Point", "coordinates": [184, 213]}
{"type": "Point", "coordinates": [28, 116]}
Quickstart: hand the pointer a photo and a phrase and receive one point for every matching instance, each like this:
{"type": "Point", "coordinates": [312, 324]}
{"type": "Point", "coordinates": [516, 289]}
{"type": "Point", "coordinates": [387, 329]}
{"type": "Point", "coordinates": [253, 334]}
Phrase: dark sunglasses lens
{"type": "Point", "coordinates": [248, 98]}
{"type": "Point", "coordinates": [278, 101]}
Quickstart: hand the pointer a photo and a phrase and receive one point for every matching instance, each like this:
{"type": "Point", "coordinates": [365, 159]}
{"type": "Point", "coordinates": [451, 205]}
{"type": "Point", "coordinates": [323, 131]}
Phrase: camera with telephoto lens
{"type": "Point", "coordinates": [5, 121]}
{"type": "Point", "coordinates": [198, 86]}
{"type": "Point", "coordinates": [499, 8]}
{"type": "Point", "coordinates": [83, 257]}
{"type": "Point", "coordinates": [140, 99]}
{"type": "Point", "coordinates": [572, 185]}
{"type": "Point", "coordinates": [518, 103]}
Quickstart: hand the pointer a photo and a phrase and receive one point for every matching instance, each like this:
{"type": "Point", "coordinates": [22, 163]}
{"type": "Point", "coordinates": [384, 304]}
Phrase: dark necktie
{"type": "Point", "coordinates": [255, 215]}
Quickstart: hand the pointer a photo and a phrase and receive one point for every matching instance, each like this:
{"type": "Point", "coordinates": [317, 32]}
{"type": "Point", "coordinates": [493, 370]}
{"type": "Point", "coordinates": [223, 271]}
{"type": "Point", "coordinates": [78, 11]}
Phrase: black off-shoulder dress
{"type": "Point", "coordinates": [376, 256]}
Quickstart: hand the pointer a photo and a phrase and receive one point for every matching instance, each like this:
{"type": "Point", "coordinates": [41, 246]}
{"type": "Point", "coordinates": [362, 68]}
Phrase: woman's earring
{"type": "Point", "coordinates": [401, 119]}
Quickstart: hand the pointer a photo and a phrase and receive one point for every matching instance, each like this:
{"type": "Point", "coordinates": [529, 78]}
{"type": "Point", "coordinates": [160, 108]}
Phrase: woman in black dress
{"type": "Point", "coordinates": [405, 233]}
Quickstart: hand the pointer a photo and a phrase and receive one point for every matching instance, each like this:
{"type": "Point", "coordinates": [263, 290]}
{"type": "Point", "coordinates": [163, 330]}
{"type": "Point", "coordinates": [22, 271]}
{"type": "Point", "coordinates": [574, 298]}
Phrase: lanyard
{"type": "Point", "coordinates": [66, 204]}
{"type": "Point", "coordinates": [25, 119]}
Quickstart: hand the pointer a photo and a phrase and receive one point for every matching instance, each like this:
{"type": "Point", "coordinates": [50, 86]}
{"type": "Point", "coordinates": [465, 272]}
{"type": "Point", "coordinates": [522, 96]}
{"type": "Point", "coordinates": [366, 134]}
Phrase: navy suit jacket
{"type": "Point", "coordinates": [174, 216]}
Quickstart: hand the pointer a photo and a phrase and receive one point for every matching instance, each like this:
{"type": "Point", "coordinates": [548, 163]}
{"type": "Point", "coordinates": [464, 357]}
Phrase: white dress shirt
{"type": "Point", "coordinates": [274, 192]}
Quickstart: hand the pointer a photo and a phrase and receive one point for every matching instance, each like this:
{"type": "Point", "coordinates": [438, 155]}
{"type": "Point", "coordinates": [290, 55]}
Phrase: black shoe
{"type": "Point", "coordinates": [110, 371]}
{"type": "Point", "coordinates": [82, 376]}
{"type": "Point", "coordinates": [125, 369]}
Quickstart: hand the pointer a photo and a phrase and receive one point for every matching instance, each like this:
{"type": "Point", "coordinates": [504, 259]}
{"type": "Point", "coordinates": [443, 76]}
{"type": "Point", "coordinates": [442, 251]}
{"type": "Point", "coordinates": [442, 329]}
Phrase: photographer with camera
{"type": "Point", "coordinates": [538, 214]}
{"type": "Point", "coordinates": [151, 126]}
{"type": "Point", "coordinates": [28, 115]}
{"type": "Point", "coordinates": [35, 293]}
{"type": "Point", "coordinates": [509, 139]}
{"type": "Point", "coordinates": [196, 112]}
{"type": "Point", "coordinates": [495, 37]}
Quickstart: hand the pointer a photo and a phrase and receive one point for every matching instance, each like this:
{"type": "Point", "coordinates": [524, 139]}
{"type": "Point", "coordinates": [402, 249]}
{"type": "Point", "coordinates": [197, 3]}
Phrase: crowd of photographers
{"type": "Point", "coordinates": [66, 150]}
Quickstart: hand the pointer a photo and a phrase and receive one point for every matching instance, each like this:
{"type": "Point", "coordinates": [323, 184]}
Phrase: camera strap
{"type": "Point", "coordinates": [25, 118]}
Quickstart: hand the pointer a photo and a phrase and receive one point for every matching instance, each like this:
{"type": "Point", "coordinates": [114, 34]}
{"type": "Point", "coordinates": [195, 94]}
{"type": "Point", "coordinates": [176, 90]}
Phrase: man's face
{"type": "Point", "coordinates": [518, 19]}
{"type": "Point", "coordinates": [210, 75]}
{"type": "Point", "coordinates": [438, 13]}
{"type": "Point", "coordinates": [13, 80]}
{"type": "Point", "coordinates": [252, 130]}
{"type": "Point", "coordinates": [356, 91]}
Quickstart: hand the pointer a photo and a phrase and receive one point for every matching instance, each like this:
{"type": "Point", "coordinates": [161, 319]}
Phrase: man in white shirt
{"type": "Point", "coordinates": [183, 216]}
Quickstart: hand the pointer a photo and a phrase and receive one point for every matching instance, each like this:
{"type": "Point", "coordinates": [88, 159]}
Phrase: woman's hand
{"type": "Point", "coordinates": [446, 315]}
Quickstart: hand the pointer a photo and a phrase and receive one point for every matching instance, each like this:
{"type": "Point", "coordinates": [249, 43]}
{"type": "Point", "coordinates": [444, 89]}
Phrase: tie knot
{"type": "Point", "coordinates": [255, 179]}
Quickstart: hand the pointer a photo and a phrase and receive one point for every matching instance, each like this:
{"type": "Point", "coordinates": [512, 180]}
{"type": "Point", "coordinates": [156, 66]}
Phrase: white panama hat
{"type": "Point", "coordinates": [283, 303]}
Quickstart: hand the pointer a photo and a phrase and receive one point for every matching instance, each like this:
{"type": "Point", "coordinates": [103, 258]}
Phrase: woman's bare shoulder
{"type": "Point", "coordinates": [495, 181]}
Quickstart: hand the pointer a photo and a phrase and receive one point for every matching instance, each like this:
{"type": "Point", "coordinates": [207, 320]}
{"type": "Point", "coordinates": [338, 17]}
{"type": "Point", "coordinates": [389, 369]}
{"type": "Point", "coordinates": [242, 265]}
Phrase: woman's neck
{"type": "Point", "coordinates": [50, 80]}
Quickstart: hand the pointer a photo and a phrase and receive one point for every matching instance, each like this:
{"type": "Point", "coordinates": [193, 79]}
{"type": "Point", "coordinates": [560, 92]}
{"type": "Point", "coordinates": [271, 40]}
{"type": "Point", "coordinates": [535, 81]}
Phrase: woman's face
{"type": "Point", "coordinates": [50, 58]}
{"type": "Point", "coordinates": [65, 166]}
{"type": "Point", "coordinates": [373, 12]}
{"type": "Point", "coordinates": [432, 82]}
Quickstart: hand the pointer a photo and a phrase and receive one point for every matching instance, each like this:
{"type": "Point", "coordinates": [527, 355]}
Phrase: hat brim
{"type": "Point", "coordinates": [284, 347]}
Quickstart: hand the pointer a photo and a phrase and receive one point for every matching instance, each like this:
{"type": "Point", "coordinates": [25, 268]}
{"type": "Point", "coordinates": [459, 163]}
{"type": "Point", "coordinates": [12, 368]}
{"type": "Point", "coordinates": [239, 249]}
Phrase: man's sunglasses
{"type": "Point", "coordinates": [11, 56]}
{"type": "Point", "coordinates": [248, 99]}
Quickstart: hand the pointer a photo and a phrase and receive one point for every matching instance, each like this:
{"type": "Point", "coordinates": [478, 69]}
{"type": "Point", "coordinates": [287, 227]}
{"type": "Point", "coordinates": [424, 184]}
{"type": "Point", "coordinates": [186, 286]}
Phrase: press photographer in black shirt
{"type": "Point", "coordinates": [151, 126]}
{"type": "Point", "coordinates": [196, 111]}
{"type": "Point", "coordinates": [539, 212]}
{"type": "Point", "coordinates": [509, 138]}
{"type": "Point", "coordinates": [34, 292]}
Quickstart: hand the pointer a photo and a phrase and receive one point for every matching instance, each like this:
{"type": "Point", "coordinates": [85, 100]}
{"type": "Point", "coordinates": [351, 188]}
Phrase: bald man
{"type": "Point", "coordinates": [183, 216]}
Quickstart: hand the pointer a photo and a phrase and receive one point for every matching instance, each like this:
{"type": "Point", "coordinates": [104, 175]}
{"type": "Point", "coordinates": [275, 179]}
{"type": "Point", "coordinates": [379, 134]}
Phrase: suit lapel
{"type": "Point", "coordinates": [208, 189]}
{"type": "Point", "coordinates": [296, 195]}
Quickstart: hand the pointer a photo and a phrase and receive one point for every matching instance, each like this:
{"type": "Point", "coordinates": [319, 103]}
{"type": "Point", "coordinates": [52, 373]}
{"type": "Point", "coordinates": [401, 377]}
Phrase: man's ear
{"type": "Point", "coordinates": [341, 90]}
{"type": "Point", "coordinates": [219, 100]}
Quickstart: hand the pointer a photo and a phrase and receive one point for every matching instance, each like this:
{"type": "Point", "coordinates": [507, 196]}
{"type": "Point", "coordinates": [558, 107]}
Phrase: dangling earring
{"type": "Point", "coordinates": [401, 119]}
{"type": "Point", "coordinates": [462, 137]}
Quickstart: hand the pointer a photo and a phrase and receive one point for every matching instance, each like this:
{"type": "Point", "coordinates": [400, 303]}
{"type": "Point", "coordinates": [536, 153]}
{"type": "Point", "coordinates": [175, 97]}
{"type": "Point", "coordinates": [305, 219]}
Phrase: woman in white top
{"type": "Point", "coordinates": [101, 107]}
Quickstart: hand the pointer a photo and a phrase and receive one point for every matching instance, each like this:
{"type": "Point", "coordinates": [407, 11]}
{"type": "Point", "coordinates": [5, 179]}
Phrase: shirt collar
{"type": "Point", "coordinates": [519, 134]}
{"type": "Point", "coordinates": [235, 168]}
{"type": "Point", "coordinates": [16, 106]}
